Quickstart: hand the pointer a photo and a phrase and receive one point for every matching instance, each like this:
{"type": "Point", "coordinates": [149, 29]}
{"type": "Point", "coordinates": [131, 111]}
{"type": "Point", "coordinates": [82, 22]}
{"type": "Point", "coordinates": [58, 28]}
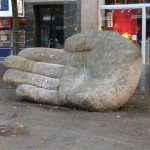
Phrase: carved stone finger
{"type": "Point", "coordinates": [38, 95]}
{"type": "Point", "coordinates": [49, 70]}
{"type": "Point", "coordinates": [19, 63]}
{"type": "Point", "coordinates": [55, 56]}
{"type": "Point", "coordinates": [19, 77]}
{"type": "Point", "coordinates": [41, 68]}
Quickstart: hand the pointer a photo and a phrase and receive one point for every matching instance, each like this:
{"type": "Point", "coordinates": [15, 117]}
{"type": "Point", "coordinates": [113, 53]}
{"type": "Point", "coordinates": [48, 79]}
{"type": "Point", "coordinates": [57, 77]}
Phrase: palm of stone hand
{"type": "Point", "coordinates": [96, 71]}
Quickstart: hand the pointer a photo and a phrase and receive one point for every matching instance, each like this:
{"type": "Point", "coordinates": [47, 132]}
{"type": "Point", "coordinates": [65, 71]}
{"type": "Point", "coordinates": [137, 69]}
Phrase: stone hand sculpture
{"type": "Point", "coordinates": [96, 71]}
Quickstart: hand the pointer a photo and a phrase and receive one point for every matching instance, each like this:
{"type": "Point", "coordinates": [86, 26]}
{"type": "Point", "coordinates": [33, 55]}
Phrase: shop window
{"type": "Point", "coordinates": [21, 23]}
{"type": "Point", "coordinates": [134, 1]}
{"type": "Point", "coordinates": [125, 21]}
{"type": "Point", "coordinates": [110, 2]}
{"type": "Point", "coordinates": [6, 35]}
{"type": "Point", "coordinates": [5, 23]}
{"type": "Point", "coordinates": [5, 27]}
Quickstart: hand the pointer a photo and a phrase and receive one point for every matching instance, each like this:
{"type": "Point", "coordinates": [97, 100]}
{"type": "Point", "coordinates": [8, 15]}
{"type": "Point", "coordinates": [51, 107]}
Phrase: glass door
{"type": "Point", "coordinates": [50, 26]}
{"type": "Point", "coordinates": [45, 35]}
{"type": "Point", "coordinates": [148, 35]}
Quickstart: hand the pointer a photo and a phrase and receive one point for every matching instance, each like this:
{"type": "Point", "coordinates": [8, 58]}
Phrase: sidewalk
{"type": "Point", "coordinates": [26, 126]}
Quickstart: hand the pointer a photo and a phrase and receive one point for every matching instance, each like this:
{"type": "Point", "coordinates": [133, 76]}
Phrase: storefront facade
{"type": "Point", "coordinates": [131, 19]}
{"type": "Point", "coordinates": [6, 30]}
{"type": "Point", "coordinates": [50, 22]}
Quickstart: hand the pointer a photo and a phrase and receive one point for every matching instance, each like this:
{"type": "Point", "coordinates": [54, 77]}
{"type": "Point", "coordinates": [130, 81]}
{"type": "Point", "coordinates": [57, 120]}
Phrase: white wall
{"type": "Point", "coordinates": [89, 15]}
{"type": "Point", "coordinates": [102, 2]}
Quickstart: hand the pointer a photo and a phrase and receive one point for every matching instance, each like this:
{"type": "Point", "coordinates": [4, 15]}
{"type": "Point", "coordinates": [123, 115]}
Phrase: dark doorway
{"type": "Point", "coordinates": [49, 25]}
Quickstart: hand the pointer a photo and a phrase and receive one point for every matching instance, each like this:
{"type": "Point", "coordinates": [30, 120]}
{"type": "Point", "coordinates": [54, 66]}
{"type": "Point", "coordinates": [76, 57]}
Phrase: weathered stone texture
{"type": "Point", "coordinates": [97, 71]}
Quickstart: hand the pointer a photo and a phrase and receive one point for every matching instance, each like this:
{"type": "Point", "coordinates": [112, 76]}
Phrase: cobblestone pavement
{"type": "Point", "coordinates": [26, 126]}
